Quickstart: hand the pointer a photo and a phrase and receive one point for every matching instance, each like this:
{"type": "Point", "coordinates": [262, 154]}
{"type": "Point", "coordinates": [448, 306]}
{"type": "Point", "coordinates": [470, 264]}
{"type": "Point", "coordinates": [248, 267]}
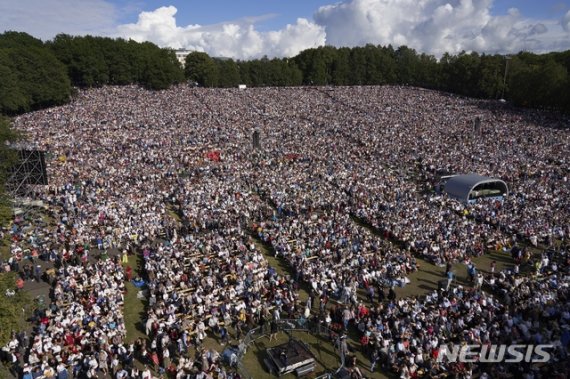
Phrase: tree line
{"type": "Point", "coordinates": [526, 79]}
{"type": "Point", "coordinates": [38, 74]}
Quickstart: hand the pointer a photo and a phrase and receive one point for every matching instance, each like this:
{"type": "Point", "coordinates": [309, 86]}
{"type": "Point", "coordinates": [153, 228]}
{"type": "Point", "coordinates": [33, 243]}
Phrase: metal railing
{"type": "Point", "coordinates": [286, 325]}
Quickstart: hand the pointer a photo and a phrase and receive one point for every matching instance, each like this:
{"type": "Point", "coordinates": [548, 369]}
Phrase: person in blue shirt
{"type": "Point", "coordinates": [450, 277]}
{"type": "Point", "coordinates": [62, 371]}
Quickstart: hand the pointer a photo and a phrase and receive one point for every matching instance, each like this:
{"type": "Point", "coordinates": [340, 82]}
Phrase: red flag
{"type": "Point", "coordinates": [214, 155]}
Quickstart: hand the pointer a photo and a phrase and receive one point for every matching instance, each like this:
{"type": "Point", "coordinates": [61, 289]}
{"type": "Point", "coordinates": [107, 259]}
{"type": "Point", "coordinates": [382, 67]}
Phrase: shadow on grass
{"type": "Point", "coordinates": [281, 266]}
{"type": "Point", "coordinates": [260, 354]}
{"type": "Point", "coordinates": [135, 308]}
{"type": "Point", "coordinates": [139, 325]}
{"type": "Point", "coordinates": [427, 280]}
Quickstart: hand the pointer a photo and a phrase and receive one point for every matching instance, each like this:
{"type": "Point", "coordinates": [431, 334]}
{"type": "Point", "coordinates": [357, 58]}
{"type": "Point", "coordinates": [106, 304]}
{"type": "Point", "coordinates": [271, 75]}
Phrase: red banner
{"type": "Point", "coordinates": [214, 155]}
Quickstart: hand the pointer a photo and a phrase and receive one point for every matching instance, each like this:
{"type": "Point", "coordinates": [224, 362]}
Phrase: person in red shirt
{"type": "Point", "coordinates": [129, 273]}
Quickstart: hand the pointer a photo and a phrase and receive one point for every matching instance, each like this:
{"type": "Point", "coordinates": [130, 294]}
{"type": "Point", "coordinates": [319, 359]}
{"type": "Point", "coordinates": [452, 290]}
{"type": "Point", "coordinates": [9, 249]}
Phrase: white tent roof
{"type": "Point", "coordinates": [460, 186]}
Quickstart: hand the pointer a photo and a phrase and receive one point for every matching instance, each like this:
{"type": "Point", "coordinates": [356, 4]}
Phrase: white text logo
{"type": "Point", "coordinates": [495, 353]}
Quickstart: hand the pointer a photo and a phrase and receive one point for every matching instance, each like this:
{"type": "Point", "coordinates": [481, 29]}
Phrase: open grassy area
{"type": "Point", "coordinates": [325, 355]}
{"type": "Point", "coordinates": [134, 308]}
{"type": "Point", "coordinates": [425, 279]}
{"type": "Point", "coordinates": [14, 309]}
{"type": "Point", "coordinates": [5, 247]}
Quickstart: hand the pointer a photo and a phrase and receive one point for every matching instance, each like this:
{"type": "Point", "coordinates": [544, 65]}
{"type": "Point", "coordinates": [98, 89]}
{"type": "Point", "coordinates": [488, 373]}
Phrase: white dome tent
{"type": "Point", "coordinates": [470, 187]}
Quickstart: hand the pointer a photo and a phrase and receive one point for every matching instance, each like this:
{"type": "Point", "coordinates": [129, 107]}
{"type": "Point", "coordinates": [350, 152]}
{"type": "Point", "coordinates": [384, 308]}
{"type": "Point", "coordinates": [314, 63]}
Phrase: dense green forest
{"type": "Point", "coordinates": [38, 74]}
{"type": "Point", "coordinates": [35, 74]}
{"type": "Point", "coordinates": [7, 159]}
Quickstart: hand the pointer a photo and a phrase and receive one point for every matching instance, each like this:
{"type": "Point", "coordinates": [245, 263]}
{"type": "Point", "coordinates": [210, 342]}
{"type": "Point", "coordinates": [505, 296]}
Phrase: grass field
{"type": "Point", "coordinates": [13, 309]}
{"type": "Point", "coordinates": [134, 308]}
{"type": "Point", "coordinates": [5, 247]}
{"type": "Point", "coordinates": [325, 355]}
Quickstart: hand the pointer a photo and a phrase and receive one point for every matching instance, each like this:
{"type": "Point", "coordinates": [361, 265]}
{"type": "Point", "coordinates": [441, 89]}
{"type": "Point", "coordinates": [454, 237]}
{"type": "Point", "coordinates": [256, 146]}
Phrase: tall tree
{"type": "Point", "coordinates": [407, 62]}
{"type": "Point", "coordinates": [12, 96]}
{"type": "Point", "coordinates": [229, 73]}
{"type": "Point", "coordinates": [160, 68]}
{"type": "Point", "coordinates": [84, 59]}
{"type": "Point", "coordinates": [491, 74]}
{"type": "Point", "coordinates": [7, 159]}
{"type": "Point", "coordinates": [340, 69]}
{"type": "Point", "coordinates": [41, 76]}
{"type": "Point", "coordinates": [202, 69]}
{"type": "Point", "coordinates": [18, 40]}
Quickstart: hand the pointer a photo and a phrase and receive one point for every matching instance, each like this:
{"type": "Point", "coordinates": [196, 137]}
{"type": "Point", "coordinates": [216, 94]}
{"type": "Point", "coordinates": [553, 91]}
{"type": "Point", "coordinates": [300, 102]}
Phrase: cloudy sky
{"type": "Point", "coordinates": [253, 28]}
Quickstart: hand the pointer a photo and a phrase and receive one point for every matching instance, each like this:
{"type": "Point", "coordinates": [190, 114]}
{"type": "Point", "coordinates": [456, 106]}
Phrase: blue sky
{"type": "Point", "coordinates": [287, 11]}
{"type": "Point", "coordinates": [253, 28]}
{"type": "Point", "coordinates": [533, 8]}
{"type": "Point", "coordinates": [215, 11]}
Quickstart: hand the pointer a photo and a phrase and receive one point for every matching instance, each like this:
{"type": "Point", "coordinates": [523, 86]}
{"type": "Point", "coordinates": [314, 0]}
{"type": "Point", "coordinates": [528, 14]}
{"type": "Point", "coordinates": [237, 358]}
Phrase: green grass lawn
{"type": "Point", "coordinates": [5, 247]}
{"type": "Point", "coordinates": [426, 278]}
{"type": "Point", "coordinates": [14, 310]}
{"type": "Point", "coordinates": [134, 308]}
{"type": "Point", "coordinates": [325, 355]}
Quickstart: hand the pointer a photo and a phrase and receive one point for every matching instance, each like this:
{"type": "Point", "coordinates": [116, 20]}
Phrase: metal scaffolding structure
{"type": "Point", "coordinates": [28, 172]}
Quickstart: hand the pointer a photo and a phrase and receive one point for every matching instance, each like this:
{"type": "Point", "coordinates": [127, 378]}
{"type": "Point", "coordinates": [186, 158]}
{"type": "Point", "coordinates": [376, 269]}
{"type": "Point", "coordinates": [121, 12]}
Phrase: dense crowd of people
{"type": "Point", "coordinates": [172, 176]}
{"type": "Point", "coordinates": [405, 336]}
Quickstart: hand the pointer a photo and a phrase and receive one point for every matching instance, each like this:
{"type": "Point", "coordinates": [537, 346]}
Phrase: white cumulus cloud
{"type": "Point", "coordinates": [430, 26]}
{"type": "Point", "coordinates": [438, 26]}
{"type": "Point", "coordinates": [235, 39]}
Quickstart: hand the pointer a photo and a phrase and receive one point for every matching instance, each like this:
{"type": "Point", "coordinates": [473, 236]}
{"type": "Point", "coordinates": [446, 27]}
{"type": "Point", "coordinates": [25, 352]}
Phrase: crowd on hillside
{"type": "Point", "coordinates": [345, 188]}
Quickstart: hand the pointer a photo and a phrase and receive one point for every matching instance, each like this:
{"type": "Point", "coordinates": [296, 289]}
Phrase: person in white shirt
{"type": "Point", "coordinates": [146, 374]}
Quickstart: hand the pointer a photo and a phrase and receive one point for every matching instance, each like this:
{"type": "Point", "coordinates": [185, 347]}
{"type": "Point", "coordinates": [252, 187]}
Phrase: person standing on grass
{"type": "Point", "coordinates": [472, 271]}
{"type": "Point", "coordinates": [391, 294]}
{"type": "Point", "coordinates": [381, 294]}
{"type": "Point", "coordinates": [224, 336]}
{"type": "Point", "coordinates": [370, 294]}
{"type": "Point", "coordinates": [146, 374]}
{"type": "Point", "coordinates": [103, 367]}
{"type": "Point", "coordinates": [450, 277]}
{"type": "Point", "coordinates": [274, 330]}
{"type": "Point", "coordinates": [166, 358]}
{"type": "Point", "coordinates": [479, 281]}
{"type": "Point", "coordinates": [346, 316]}
{"type": "Point", "coordinates": [374, 358]}
{"type": "Point", "coordinates": [38, 273]}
